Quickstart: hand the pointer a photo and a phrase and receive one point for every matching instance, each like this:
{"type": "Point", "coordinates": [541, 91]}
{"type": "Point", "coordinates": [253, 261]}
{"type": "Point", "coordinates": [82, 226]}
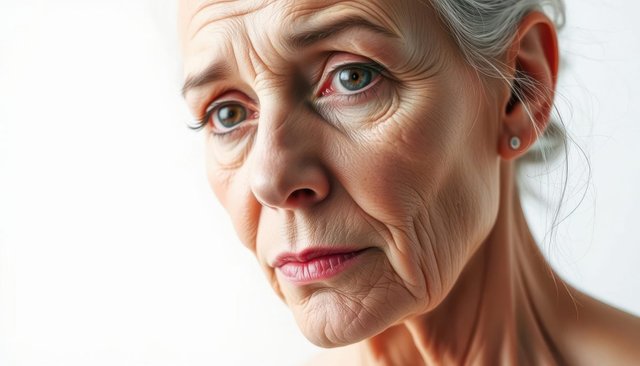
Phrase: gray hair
{"type": "Point", "coordinates": [483, 31]}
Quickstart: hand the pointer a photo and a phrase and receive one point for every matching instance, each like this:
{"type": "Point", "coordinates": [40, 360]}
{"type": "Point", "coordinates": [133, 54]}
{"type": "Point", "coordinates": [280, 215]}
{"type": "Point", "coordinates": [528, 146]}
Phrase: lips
{"type": "Point", "coordinates": [315, 264]}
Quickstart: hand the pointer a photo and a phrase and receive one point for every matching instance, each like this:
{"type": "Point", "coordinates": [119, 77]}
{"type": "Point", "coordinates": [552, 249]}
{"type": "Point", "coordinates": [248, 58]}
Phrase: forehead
{"type": "Point", "coordinates": [275, 15]}
{"type": "Point", "coordinates": [213, 28]}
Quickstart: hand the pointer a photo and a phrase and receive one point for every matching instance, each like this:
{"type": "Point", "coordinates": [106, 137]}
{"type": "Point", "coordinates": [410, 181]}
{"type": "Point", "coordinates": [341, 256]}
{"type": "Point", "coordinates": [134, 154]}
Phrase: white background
{"type": "Point", "coordinates": [113, 250]}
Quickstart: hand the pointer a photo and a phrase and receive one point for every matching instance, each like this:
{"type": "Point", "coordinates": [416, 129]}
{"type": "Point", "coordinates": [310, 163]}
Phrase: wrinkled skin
{"type": "Point", "coordinates": [412, 166]}
{"type": "Point", "coordinates": [410, 170]}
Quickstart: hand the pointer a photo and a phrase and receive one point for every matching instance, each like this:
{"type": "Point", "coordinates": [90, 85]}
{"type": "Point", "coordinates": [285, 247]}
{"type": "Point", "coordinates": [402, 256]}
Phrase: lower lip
{"type": "Point", "coordinates": [320, 268]}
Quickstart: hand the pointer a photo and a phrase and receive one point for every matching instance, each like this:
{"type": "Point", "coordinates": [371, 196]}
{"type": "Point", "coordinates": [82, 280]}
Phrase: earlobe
{"type": "Point", "coordinates": [533, 57]}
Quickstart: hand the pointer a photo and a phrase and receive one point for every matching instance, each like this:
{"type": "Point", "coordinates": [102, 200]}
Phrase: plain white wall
{"type": "Point", "coordinates": [113, 250]}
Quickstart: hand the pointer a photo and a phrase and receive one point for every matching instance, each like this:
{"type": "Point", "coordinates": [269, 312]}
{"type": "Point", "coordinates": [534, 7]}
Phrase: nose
{"type": "Point", "coordinates": [286, 169]}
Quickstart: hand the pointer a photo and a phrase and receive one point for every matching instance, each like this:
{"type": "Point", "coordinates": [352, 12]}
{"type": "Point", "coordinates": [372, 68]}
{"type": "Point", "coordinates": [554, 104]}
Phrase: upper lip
{"type": "Point", "coordinates": [309, 254]}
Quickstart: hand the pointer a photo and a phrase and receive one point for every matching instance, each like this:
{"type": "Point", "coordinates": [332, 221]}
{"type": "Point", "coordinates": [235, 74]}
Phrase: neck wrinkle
{"type": "Point", "coordinates": [477, 316]}
{"type": "Point", "coordinates": [498, 312]}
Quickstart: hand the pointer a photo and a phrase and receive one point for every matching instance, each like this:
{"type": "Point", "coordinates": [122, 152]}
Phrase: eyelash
{"type": "Point", "coordinates": [350, 98]}
{"type": "Point", "coordinates": [204, 121]}
{"type": "Point", "coordinates": [368, 65]}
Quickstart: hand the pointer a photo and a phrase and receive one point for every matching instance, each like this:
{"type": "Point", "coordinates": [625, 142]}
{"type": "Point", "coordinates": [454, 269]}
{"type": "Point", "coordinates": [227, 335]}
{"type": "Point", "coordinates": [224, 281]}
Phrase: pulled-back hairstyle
{"type": "Point", "coordinates": [483, 31]}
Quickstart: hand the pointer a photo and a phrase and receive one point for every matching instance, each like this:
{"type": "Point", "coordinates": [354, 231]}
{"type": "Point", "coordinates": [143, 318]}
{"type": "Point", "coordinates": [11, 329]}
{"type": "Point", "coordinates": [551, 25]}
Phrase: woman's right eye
{"type": "Point", "coordinates": [226, 117]}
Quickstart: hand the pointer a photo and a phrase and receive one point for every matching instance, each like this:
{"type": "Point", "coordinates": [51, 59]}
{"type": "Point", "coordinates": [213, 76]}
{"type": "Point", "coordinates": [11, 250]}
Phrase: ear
{"type": "Point", "coordinates": [533, 58]}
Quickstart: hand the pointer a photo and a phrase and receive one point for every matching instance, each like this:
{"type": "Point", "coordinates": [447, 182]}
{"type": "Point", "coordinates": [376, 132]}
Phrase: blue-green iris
{"type": "Point", "coordinates": [355, 78]}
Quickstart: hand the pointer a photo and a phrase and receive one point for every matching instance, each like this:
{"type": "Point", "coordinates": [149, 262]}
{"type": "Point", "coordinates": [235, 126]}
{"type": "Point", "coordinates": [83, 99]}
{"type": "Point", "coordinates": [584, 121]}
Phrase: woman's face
{"type": "Point", "coordinates": [345, 126]}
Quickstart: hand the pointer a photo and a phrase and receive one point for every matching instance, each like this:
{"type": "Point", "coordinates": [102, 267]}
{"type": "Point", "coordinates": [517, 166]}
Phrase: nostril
{"type": "Point", "coordinates": [279, 185]}
{"type": "Point", "coordinates": [303, 193]}
{"type": "Point", "coordinates": [300, 196]}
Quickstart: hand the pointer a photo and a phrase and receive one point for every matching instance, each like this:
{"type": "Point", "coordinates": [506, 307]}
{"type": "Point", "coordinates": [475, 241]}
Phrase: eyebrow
{"type": "Point", "coordinates": [220, 70]}
{"type": "Point", "coordinates": [215, 71]}
{"type": "Point", "coordinates": [309, 37]}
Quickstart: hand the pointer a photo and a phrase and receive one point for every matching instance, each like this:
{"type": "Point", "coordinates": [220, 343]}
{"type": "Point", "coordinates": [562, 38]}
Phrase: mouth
{"type": "Point", "coordinates": [315, 264]}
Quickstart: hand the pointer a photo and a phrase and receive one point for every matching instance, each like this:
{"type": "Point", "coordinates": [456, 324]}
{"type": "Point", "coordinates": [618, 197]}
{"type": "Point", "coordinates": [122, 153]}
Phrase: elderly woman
{"type": "Point", "coordinates": [365, 151]}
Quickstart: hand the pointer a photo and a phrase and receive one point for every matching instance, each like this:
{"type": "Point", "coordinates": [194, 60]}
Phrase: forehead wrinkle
{"type": "Point", "coordinates": [311, 22]}
{"type": "Point", "coordinates": [214, 11]}
{"type": "Point", "coordinates": [307, 38]}
{"type": "Point", "coordinates": [207, 4]}
{"type": "Point", "coordinates": [254, 64]}
{"type": "Point", "coordinates": [217, 60]}
{"type": "Point", "coordinates": [264, 47]}
{"type": "Point", "coordinates": [270, 28]}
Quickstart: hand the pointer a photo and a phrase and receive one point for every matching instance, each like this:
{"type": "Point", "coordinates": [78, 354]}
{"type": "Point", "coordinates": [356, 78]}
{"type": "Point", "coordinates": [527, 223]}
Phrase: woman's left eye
{"type": "Point", "coordinates": [355, 78]}
{"type": "Point", "coordinates": [351, 79]}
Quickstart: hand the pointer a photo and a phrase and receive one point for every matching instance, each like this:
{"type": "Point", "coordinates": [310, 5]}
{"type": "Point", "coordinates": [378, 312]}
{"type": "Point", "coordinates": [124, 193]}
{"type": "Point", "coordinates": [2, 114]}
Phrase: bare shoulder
{"type": "Point", "coordinates": [612, 335]}
{"type": "Point", "coordinates": [624, 333]}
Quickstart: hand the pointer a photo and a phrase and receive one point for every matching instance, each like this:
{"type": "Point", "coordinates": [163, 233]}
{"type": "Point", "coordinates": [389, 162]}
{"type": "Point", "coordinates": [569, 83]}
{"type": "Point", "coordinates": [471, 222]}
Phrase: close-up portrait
{"type": "Point", "coordinates": [306, 182]}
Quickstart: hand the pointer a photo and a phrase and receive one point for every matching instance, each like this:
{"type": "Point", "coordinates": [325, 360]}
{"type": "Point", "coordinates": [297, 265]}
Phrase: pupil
{"type": "Point", "coordinates": [231, 115]}
{"type": "Point", "coordinates": [355, 78]}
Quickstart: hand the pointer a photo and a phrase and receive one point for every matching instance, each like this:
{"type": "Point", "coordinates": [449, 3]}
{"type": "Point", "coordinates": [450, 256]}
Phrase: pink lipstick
{"type": "Point", "coordinates": [315, 264]}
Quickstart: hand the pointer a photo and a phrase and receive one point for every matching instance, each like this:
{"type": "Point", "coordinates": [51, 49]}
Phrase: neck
{"type": "Point", "coordinates": [507, 307]}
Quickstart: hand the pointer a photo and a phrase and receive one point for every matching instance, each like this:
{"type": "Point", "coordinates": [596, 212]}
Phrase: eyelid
{"type": "Point", "coordinates": [224, 100]}
{"type": "Point", "coordinates": [230, 96]}
{"type": "Point", "coordinates": [328, 81]}
{"type": "Point", "coordinates": [211, 113]}
{"type": "Point", "coordinates": [344, 61]}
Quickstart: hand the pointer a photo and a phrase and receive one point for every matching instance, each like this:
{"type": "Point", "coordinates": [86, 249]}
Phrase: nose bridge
{"type": "Point", "coordinates": [274, 149]}
{"type": "Point", "coordinates": [282, 125]}
{"type": "Point", "coordinates": [286, 166]}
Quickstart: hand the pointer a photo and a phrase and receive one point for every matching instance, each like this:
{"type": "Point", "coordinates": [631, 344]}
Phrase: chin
{"type": "Point", "coordinates": [337, 316]}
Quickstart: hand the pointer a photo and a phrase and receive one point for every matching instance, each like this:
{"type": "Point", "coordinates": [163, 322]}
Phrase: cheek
{"type": "Point", "coordinates": [230, 188]}
{"type": "Point", "coordinates": [398, 165]}
{"type": "Point", "coordinates": [362, 112]}
{"type": "Point", "coordinates": [433, 191]}
{"type": "Point", "coordinates": [461, 217]}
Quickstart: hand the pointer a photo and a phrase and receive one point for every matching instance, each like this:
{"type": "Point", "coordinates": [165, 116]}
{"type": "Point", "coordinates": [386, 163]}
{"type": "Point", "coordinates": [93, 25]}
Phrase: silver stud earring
{"type": "Point", "coordinates": [515, 142]}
